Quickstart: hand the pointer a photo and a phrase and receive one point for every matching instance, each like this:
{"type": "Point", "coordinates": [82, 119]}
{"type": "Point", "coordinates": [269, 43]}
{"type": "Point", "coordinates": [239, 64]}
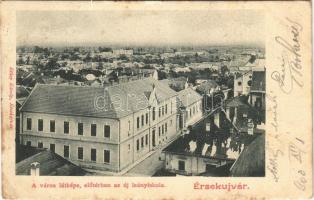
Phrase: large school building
{"type": "Point", "coordinates": [103, 128]}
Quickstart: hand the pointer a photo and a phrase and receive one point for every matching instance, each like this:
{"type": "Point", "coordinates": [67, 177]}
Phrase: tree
{"type": "Point", "coordinates": [224, 69]}
{"type": "Point", "coordinates": [87, 58]}
{"type": "Point", "coordinates": [100, 66]}
{"type": "Point", "coordinates": [161, 75]}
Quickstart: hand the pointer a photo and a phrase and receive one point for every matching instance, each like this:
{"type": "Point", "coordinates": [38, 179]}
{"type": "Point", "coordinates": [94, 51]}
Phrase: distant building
{"type": "Point", "coordinates": [205, 65]}
{"type": "Point", "coordinates": [189, 107]}
{"type": "Point", "coordinates": [257, 64]}
{"type": "Point", "coordinates": [100, 128]}
{"type": "Point", "coordinates": [207, 86]}
{"type": "Point", "coordinates": [182, 69]}
{"type": "Point", "coordinates": [127, 52]}
{"type": "Point", "coordinates": [242, 83]}
{"type": "Point", "coordinates": [176, 84]}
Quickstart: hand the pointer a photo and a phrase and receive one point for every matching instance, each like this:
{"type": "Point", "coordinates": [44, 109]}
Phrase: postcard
{"type": "Point", "coordinates": [156, 100]}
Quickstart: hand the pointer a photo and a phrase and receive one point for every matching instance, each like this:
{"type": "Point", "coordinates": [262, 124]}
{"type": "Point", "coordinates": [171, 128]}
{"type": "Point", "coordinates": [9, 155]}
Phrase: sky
{"type": "Point", "coordinates": [212, 27]}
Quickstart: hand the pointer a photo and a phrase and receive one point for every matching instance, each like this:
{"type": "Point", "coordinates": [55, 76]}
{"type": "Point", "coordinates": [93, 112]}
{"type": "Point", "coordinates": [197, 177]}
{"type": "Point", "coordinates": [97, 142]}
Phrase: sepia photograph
{"type": "Point", "coordinates": [140, 93]}
{"type": "Point", "coordinates": [156, 100]}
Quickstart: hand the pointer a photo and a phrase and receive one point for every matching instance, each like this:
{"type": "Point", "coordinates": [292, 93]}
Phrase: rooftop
{"type": "Point", "coordinates": [252, 160]}
{"type": "Point", "coordinates": [21, 92]}
{"type": "Point", "coordinates": [188, 96]}
{"type": "Point", "coordinates": [206, 86]}
{"type": "Point", "coordinates": [114, 101]}
{"type": "Point", "coordinates": [51, 164]}
{"type": "Point", "coordinates": [218, 143]}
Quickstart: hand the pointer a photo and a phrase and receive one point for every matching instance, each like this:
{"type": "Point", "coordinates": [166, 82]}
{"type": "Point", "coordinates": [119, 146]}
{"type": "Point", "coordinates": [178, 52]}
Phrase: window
{"type": "Point", "coordinates": [106, 156]}
{"type": "Point", "coordinates": [66, 151]}
{"type": "Point", "coordinates": [52, 126]}
{"type": "Point", "coordinates": [166, 108]}
{"type": "Point", "coordinates": [80, 153]}
{"type": "Point", "coordinates": [163, 111]}
{"type": "Point", "coordinates": [171, 107]}
{"type": "Point", "coordinates": [159, 131]}
{"type": "Point", "coordinates": [142, 120]}
{"type": "Point", "coordinates": [66, 127]}
{"type": "Point", "coordinates": [249, 83]}
{"type": "Point", "coordinates": [40, 145]}
{"type": "Point", "coordinates": [239, 83]}
{"type": "Point", "coordinates": [93, 130]}
{"type": "Point", "coordinates": [181, 165]}
{"type": "Point", "coordinates": [40, 125]}
{"type": "Point", "coordinates": [29, 143]}
{"type": "Point", "coordinates": [166, 127]}
{"type": "Point", "coordinates": [107, 131]}
{"type": "Point", "coordinates": [154, 113]}
{"type": "Point", "coordinates": [129, 147]}
{"type": "Point", "coordinates": [142, 142]}
{"type": "Point", "coordinates": [146, 118]}
{"type": "Point", "coordinates": [80, 128]}
{"type": "Point", "coordinates": [137, 145]}
{"type": "Point", "coordinates": [138, 122]}
{"type": "Point", "coordinates": [93, 155]}
{"type": "Point", "coordinates": [162, 129]}
{"type": "Point", "coordinates": [146, 139]}
{"type": "Point", "coordinates": [159, 112]}
{"type": "Point", "coordinates": [52, 147]}
{"type": "Point", "coordinates": [29, 124]}
{"type": "Point", "coordinates": [190, 112]}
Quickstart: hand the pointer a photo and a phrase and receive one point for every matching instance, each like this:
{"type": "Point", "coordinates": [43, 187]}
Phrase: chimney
{"type": "Point", "coordinates": [193, 146]}
{"type": "Point", "coordinates": [35, 169]}
{"type": "Point", "coordinates": [208, 127]}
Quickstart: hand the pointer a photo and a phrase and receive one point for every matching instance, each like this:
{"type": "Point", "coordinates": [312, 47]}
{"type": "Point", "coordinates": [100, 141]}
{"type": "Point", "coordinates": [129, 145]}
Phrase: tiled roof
{"type": "Point", "coordinates": [217, 143]}
{"type": "Point", "coordinates": [21, 92]}
{"type": "Point", "coordinates": [207, 86]}
{"type": "Point", "coordinates": [51, 164]}
{"type": "Point", "coordinates": [112, 102]}
{"type": "Point", "coordinates": [258, 79]}
{"type": "Point", "coordinates": [251, 162]}
{"type": "Point", "coordinates": [188, 96]}
{"type": "Point", "coordinates": [237, 101]}
{"type": "Point", "coordinates": [175, 83]}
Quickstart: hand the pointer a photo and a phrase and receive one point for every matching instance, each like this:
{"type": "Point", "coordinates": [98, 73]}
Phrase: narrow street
{"type": "Point", "coordinates": [148, 166]}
